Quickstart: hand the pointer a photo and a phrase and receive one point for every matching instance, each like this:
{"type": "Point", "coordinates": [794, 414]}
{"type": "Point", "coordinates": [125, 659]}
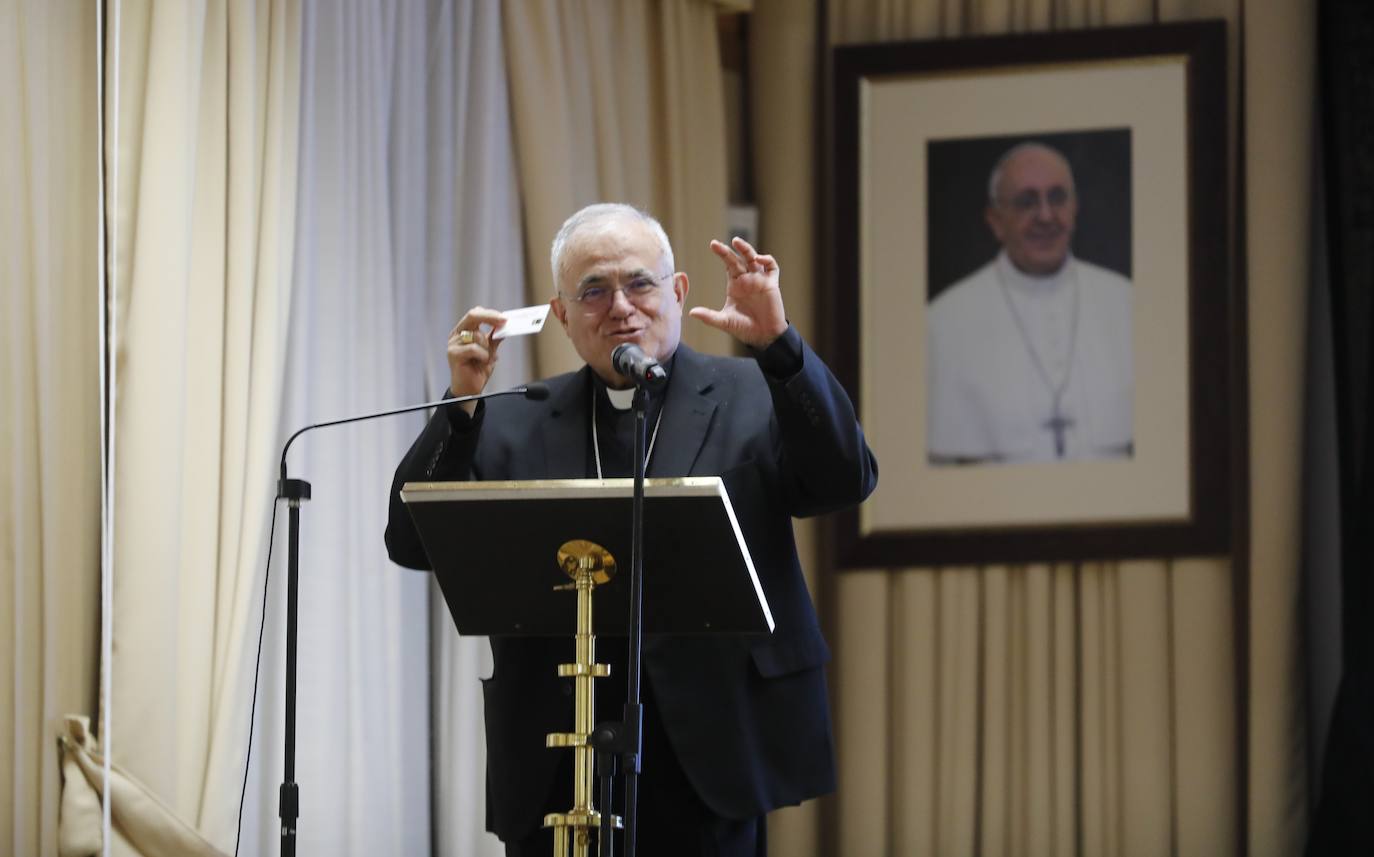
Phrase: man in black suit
{"type": "Point", "coordinates": [734, 726]}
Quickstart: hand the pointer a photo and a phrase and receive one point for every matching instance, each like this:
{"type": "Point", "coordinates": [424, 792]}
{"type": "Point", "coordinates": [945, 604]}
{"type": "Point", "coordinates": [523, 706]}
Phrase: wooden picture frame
{"type": "Point", "coordinates": [954, 368]}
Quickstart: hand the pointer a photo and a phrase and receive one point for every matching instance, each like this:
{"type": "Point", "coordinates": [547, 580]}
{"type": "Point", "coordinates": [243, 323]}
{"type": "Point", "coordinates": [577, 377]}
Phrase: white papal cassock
{"type": "Point", "coordinates": [1004, 347]}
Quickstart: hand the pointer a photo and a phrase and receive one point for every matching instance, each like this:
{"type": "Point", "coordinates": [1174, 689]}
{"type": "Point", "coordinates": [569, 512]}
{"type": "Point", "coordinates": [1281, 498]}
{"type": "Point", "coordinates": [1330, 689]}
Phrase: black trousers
{"type": "Point", "coordinates": [672, 820]}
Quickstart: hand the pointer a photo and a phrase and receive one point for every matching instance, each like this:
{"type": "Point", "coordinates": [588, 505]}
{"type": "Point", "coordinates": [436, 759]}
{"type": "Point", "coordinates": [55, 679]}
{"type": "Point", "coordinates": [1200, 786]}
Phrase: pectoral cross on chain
{"type": "Point", "coordinates": [1058, 423]}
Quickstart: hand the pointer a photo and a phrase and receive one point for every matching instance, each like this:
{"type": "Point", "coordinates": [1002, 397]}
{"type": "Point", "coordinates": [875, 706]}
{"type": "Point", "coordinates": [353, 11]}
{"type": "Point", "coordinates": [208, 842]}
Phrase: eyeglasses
{"type": "Point", "coordinates": [1028, 201]}
{"type": "Point", "coordinates": [639, 291]}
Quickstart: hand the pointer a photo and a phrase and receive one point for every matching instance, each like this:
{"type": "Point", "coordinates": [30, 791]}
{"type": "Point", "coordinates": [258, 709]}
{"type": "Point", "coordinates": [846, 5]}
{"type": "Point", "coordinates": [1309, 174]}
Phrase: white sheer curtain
{"type": "Point", "coordinates": [407, 214]}
{"type": "Point", "coordinates": [362, 734]}
{"type": "Point", "coordinates": [472, 253]}
{"type": "Point", "coordinates": [350, 161]}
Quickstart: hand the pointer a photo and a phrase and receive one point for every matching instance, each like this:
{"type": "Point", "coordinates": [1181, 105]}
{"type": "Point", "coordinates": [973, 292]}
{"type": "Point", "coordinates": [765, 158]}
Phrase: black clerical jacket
{"type": "Point", "coordinates": [747, 716]}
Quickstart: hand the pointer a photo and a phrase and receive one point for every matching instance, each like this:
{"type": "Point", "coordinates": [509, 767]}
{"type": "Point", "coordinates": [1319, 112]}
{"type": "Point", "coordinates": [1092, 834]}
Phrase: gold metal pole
{"type": "Point", "coordinates": [589, 565]}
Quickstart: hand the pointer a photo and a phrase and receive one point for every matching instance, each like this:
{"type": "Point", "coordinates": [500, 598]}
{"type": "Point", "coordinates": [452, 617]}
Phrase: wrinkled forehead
{"type": "Point", "coordinates": [1036, 168]}
{"type": "Point", "coordinates": [610, 249]}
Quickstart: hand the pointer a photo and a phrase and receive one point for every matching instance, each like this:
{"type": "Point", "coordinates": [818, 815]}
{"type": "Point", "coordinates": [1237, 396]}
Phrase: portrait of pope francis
{"type": "Point", "coordinates": [1029, 358]}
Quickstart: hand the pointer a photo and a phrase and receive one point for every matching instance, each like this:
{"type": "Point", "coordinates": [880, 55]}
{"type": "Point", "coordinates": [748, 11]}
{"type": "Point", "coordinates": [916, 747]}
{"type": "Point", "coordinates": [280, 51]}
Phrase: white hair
{"type": "Point", "coordinates": [995, 177]}
{"type": "Point", "coordinates": [599, 214]}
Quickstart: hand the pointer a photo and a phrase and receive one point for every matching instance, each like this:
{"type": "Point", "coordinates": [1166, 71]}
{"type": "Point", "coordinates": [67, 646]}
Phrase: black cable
{"type": "Point", "coordinates": [257, 665]}
{"type": "Point", "coordinates": [534, 391]}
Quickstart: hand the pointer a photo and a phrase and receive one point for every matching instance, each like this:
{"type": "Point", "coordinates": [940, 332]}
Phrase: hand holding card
{"type": "Point", "coordinates": [523, 321]}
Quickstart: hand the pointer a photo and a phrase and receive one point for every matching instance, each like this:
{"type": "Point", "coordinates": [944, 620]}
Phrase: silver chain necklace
{"type": "Point", "coordinates": [596, 441]}
{"type": "Point", "coordinates": [1058, 422]}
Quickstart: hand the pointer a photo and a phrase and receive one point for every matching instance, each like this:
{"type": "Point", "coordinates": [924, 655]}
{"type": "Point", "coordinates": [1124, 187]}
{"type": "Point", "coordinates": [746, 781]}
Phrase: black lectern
{"type": "Point", "coordinates": [504, 553]}
{"type": "Point", "coordinates": [494, 547]}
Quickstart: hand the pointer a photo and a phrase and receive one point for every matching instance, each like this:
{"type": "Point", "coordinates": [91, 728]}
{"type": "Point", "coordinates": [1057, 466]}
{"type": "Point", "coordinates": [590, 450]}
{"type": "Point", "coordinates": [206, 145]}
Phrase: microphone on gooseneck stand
{"type": "Point", "coordinates": [535, 391]}
{"type": "Point", "coordinates": [296, 491]}
{"type": "Point", "coordinates": [630, 360]}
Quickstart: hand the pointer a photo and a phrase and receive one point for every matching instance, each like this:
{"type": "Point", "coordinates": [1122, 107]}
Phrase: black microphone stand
{"type": "Point", "coordinates": [295, 492]}
{"type": "Point", "coordinates": [625, 738]}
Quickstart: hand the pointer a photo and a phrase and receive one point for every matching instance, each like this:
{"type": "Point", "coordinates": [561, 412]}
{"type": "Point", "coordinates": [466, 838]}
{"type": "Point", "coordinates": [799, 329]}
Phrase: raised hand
{"type": "Point", "coordinates": [753, 311]}
{"type": "Point", "coordinates": [472, 353]}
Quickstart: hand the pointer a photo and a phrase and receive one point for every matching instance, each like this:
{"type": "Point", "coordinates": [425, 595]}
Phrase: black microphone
{"type": "Point", "coordinates": [630, 360]}
{"type": "Point", "coordinates": [535, 391]}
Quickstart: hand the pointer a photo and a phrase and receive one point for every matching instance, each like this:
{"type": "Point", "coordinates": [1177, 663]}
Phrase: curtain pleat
{"type": "Point", "coordinates": [49, 403]}
{"type": "Point", "coordinates": [278, 254]}
{"type": "Point", "coordinates": [201, 186]}
{"type": "Point", "coordinates": [1279, 81]}
{"type": "Point", "coordinates": [786, 140]}
{"type": "Point", "coordinates": [363, 671]}
{"type": "Point", "coordinates": [1203, 630]}
{"type": "Point", "coordinates": [473, 255]}
{"type": "Point", "coordinates": [1338, 486]}
{"type": "Point", "coordinates": [609, 103]}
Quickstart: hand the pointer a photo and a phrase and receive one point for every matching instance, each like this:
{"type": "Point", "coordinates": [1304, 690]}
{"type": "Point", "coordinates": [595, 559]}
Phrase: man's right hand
{"type": "Point", "coordinates": [472, 353]}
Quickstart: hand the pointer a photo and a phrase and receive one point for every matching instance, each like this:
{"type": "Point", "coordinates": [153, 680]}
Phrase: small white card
{"type": "Point", "coordinates": [523, 321]}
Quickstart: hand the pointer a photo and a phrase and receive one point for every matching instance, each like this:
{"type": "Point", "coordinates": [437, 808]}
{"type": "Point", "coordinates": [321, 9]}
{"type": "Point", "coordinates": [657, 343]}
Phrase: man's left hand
{"type": "Point", "coordinates": [753, 311]}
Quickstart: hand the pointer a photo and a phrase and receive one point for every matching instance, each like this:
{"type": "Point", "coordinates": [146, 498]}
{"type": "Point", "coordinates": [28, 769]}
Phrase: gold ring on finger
{"type": "Point", "coordinates": [466, 337]}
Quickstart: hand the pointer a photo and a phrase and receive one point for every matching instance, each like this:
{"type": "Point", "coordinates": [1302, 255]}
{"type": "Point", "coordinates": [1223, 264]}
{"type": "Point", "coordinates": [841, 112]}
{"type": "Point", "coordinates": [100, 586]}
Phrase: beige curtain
{"type": "Point", "coordinates": [49, 403]}
{"type": "Point", "coordinates": [200, 189]}
{"type": "Point", "coordinates": [1057, 708]}
{"type": "Point", "coordinates": [142, 824]}
{"type": "Point", "coordinates": [619, 100]}
{"type": "Point", "coordinates": [782, 82]}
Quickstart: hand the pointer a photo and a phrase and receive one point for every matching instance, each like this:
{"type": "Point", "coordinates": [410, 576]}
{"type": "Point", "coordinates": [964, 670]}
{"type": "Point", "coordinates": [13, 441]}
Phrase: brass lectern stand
{"type": "Point", "coordinates": [589, 565]}
{"type": "Point", "coordinates": [503, 553]}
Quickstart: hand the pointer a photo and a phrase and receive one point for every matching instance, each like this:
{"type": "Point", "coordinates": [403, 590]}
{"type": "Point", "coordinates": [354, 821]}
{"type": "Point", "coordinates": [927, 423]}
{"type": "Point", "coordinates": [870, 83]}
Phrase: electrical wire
{"type": "Point", "coordinates": [257, 667]}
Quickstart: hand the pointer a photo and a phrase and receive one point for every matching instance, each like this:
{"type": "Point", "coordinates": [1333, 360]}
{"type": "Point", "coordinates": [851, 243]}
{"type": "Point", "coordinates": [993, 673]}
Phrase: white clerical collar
{"type": "Point", "coordinates": [621, 400]}
{"type": "Point", "coordinates": [1015, 278]}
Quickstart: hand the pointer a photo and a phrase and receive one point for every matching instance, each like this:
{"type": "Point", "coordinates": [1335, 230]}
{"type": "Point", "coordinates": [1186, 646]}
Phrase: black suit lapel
{"type": "Point", "coordinates": [687, 414]}
{"type": "Point", "coordinates": [565, 431]}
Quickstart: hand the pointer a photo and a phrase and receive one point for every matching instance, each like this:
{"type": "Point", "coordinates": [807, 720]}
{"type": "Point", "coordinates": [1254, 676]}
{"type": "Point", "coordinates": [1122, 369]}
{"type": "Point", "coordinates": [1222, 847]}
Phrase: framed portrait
{"type": "Point", "coordinates": [1034, 305]}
